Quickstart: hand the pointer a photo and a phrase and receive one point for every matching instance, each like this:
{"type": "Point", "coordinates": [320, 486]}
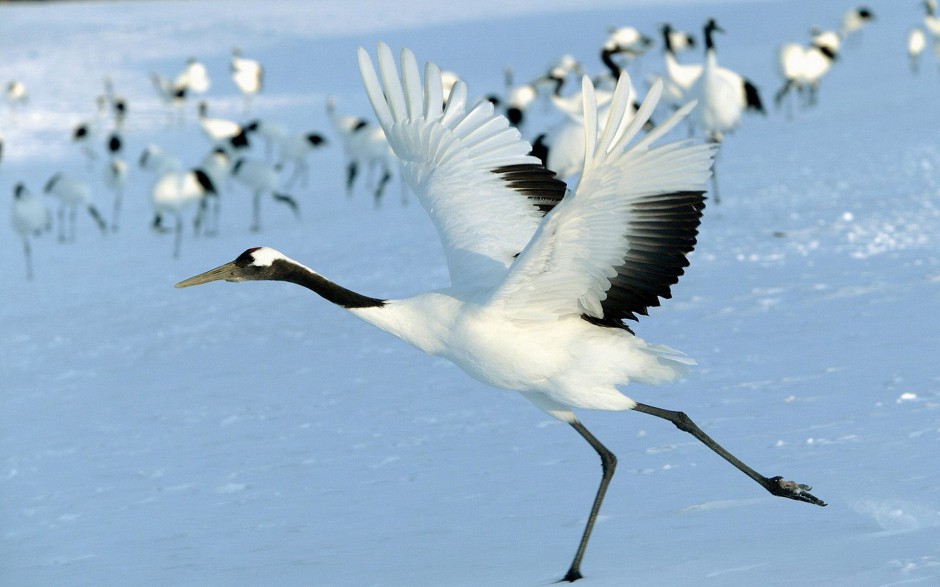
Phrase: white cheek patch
{"type": "Point", "coordinates": [265, 257]}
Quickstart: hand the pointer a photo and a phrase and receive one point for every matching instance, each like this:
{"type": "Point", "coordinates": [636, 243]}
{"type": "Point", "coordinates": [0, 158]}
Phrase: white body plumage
{"type": "Point", "coordinates": [247, 74]}
{"type": "Point", "coordinates": [217, 130]}
{"type": "Point", "coordinates": [558, 364]}
{"type": "Point", "coordinates": [30, 213]}
{"type": "Point", "coordinates": [30, 217]}
{"type": "Point", "coordinates": [177, 191]}
{"type": "Point", "coordinates": [72, 193]}
{"type": "Point", "coordinates": [194, 77]}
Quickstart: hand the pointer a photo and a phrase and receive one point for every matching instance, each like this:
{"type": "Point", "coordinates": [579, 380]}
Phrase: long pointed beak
{"type": "Point", "coordinates": [225, 272]}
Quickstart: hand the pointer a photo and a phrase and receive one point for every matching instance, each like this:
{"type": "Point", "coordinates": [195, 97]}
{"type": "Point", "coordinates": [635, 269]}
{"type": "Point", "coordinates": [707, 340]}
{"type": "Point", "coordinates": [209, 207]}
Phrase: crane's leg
{"type": "Point", "coordinates": [116, 211]}
{"type": "Point", "coordinates": [289, 201]}
{"type": "Point", "coordinates": [73, 214]}
{"type": "Point", "coordinates": [294, 176]}
{"type": "Point", "coordinates": [717, 140]}
{"type": "Point", "coordinates": [178, 239]}
{"type": "Point", "coordinates": [352, 169]}
{"type": "Point", "coordinates": [608, 465]}
{"type": "Point", "coordinates": [380, 187]}
{"type": "Point", "coordinates": [29, 257]}
{"type": "Point", "coordinates": [775, 485]}
{"type": "Point", "coordinates": [256, 212]}
{"type": "Point", "coordinates": [198, 218]}
{"type": "Point", "coordinates": [61, 215]}
{"type": "Point", "coordinates": [98, 218]}
{"type": "Point", "coordinates": [216, 213]}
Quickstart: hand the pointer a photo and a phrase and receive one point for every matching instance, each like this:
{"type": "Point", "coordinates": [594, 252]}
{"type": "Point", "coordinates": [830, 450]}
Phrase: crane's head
{"type": "Point", "coordinates": [712, 26]}
{"type": "Point", "coordinates": [256, 264]}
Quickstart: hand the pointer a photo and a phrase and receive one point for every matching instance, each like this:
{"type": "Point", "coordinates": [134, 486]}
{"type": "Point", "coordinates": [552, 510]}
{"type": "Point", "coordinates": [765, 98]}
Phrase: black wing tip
{"type": "Point", "coordinates": [662, 234]}
{"type": "Point", "coordinates": [534, 181]}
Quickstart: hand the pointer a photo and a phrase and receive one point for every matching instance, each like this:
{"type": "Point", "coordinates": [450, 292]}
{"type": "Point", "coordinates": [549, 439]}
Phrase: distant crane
{"type": "Point", "coordinates": [916, 43]}
{"type": "Point", "coordinates": [30, 217]}
{"type": "Point", "coordinates": [261, 178]}
{"type": "Point", "coordinates": [16, 94]}
{"type": "Point", "coordinates": [118, 104]}
{"type": "Point", "coordinates": [247, 74]}
{"type": "Point", "coordinates": [540, 281]}
{"type": "Point", "coordinates": [364, 146]}
{"type": "Point", "coordinates": [115, 178]}
{"type": "Point", "coordinates": [171, 95]}
{"type": "Point", "coordinates": [173, 193]}
{"type": "Point", "coordinates": [722, 96]}
{"type": "Point", "coordinates": [72, 193]}
{"type": "Point", "coordinates": [802, 68]}
{"type": "Point", "coordinates": [85, 132]}
{"type": "Point", "coordinates": [194, 77]}
{"type": "Point", "coordinates": [222, 131]}
{"type": "Point", "coordinates": [853, 20]}
{"type": "Point", "coordinates": [679, 79]}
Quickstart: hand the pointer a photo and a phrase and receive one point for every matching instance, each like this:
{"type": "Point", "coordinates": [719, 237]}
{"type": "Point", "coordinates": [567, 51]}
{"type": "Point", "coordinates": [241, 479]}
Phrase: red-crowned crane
{"type": "Point", "coordinates": [261, 178]}
{"type": "Point", "coordinates": [247, 74]}
{"type": "Point", "coordinates": [176, 191]}
{"type": "Point", "coordinates": [722, 96]}
{"type": "Point", "coordinates": [541, 281]}
{"type": "Point", "coordinates": [72, 192]}
{"type": "Point", "coordinates": [30, 218]}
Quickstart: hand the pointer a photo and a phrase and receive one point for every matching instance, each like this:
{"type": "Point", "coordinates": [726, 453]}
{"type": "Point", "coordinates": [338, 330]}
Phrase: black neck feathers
{"type": "Point", "coordinates": [204, 181]}
{"type": "Point", "coordinates": [607, 56]}
{"type": "Point", "coordinates": [710, 27]}
{"type": "Point", "coordinates": [286, 271]}
{"type": "Point", "coordinates": [827, 51]}
{"type": "Point", "coordinates": [667, 38]}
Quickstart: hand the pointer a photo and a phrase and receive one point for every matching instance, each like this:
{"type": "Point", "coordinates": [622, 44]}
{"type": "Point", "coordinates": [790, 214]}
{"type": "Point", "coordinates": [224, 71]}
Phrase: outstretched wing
{"type": "Point", "coordinates": [469, 168]}
{"type": "Point", "coordinates": [614, 247]}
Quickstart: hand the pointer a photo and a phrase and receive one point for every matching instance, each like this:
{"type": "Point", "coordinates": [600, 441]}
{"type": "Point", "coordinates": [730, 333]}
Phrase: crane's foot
{"type": "Point", "coordinates": [571, 576]}
{"type": "Point", "coordinates": [793, 490]}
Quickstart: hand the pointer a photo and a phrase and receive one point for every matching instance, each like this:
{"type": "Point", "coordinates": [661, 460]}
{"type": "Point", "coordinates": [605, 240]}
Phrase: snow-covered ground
{"type": "Point", "coordinates": [254, 434]}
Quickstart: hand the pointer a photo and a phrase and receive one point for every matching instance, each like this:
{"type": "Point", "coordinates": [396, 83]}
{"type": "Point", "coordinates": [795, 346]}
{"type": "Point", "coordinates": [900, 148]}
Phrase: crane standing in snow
{"type": "Point", "coordinates": [247, 74]}
{"type": "Point", "coordinates": [722, 96]}
{"type": "Point", "coordinates": [541, 281]}
{"type": "Point", "coordinates": [30, 217]}
{"type": "Point", "coordinates": [72, 193]}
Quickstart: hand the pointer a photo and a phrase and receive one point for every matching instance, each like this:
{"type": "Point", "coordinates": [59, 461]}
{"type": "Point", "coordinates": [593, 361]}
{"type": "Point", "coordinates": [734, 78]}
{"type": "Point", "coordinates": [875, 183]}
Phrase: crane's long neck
{"type": "Point", "coordinates": [711, 56]}
{"type": "Point", "coordinates": [667, 41]}
{"type": "Point", "coordinates": [331, 292]}
{"type": "Point", "coordinates": [422, 321]}
{"type": "Point", "coordinates": [607, 56]}
{"type": "Point", "coordinates": [709, 41]}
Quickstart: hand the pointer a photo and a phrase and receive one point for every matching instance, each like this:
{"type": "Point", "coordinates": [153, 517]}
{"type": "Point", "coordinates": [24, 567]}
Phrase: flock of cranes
{"type": "Point", "coordinates": [187, 194]}
{"type": "Point", "coordinates": [177, 192]}
{"type": "Point", "coordinates": [543, 276]}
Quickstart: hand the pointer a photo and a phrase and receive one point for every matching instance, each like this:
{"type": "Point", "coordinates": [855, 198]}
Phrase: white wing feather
{"type": "Point", "coordinates": [567, 267]}
{"type": "Point", "coordinates": [448, 156]}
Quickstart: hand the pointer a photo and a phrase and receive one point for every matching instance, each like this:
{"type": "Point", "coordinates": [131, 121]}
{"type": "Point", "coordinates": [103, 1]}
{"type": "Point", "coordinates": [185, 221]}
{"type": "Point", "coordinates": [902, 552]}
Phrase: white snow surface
{"type": "Point", "coordinates": [254, 434]}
